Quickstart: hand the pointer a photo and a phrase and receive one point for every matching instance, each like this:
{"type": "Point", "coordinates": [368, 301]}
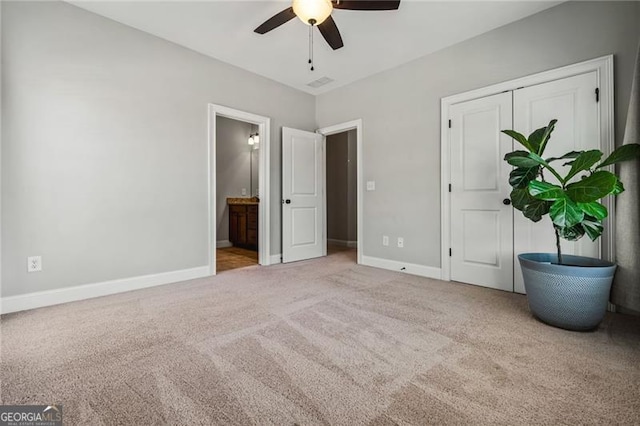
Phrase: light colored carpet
{"type": "Point", "coordinates": [318, 342]}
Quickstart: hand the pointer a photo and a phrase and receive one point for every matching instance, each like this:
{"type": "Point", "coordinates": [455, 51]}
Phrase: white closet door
{"type": "Point", "coordinates": [481, 224]}
{"type": "Point", "coordinates": [572, 101]}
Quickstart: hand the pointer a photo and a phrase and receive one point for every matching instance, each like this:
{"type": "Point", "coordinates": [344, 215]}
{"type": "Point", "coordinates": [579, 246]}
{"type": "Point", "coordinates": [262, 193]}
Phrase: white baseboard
{"type": "Point", "coordinates": [343, 243]}
{"type": "Point", "coordinates": [71, 294]}
{"type": "Point", "coordinates": [275, 259]}
{"type": "Point", "coordinates": [408, 268]}
{"type": "Point", "coordinates": [223, 244]}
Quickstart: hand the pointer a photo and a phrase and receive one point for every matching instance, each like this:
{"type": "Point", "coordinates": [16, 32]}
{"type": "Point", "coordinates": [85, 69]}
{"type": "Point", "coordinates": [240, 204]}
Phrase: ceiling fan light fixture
{"type": "Point", "coordinates": [312, 12]}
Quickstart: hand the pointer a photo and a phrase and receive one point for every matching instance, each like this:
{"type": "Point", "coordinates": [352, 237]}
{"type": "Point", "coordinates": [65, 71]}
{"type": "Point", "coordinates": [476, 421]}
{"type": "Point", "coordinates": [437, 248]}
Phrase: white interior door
{"type": "Point", "coordinates": [481, 224]}
{"type": "Point", "coordinates": [572, 101]}
{"type": "Point", "coordinates": [303, 235]}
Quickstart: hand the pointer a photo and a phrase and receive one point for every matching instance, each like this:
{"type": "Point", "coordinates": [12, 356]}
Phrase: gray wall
{"type": "Point", "coordinates": [233, 167]}
{"type": "Point", "coordinates": [104, 146]}
{"type": "Point", "coordinates": [400, 109]}
{"type": "Point", "coordinates": [341, 186]}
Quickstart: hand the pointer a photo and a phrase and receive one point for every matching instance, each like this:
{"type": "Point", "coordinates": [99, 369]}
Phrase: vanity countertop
{"type": "Point", "coordinates": [253, 201]}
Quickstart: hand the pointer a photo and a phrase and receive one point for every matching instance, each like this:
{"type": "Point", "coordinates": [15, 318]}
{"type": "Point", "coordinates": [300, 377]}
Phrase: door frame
{"type": "Point", "coordinates": [332, 130]}
{"type": "Point", "coordinates": [603, 66]}
{"type": "Point", "coordinates": [264, 175]}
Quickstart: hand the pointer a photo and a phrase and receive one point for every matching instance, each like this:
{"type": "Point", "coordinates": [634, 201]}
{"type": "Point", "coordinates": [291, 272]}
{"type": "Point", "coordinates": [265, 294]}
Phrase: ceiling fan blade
{"type": "Point", "coordinates": [276, 20]}
{"type": "Point", "coordinates": [366, 4]}
{"type": "Point", "coordinates": [330, 32]}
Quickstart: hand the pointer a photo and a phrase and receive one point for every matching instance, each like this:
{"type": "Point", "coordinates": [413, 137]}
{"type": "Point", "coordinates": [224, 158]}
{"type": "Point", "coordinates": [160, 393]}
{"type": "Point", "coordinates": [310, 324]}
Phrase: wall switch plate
{"type": "Point", "coordinates": [400, 242]}
{"type": "Point", "coordinates": [34, 263]}
{"type": "Point", "coordinates": [244, 191]}
{"type": "Point", "coordinates": [385, 240]}
{"type": "Point", "coordinates": [371, 185]}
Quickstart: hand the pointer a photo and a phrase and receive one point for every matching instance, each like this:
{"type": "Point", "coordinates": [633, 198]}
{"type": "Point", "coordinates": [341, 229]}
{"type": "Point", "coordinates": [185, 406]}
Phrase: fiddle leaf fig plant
{"type": "Point", "coordinates": [571, 198]}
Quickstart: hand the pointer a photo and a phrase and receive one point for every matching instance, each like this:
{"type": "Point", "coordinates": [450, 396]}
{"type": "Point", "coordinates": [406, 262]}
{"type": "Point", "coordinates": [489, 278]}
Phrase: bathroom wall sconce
{"type": "Point", "coordinates": [254, 140]}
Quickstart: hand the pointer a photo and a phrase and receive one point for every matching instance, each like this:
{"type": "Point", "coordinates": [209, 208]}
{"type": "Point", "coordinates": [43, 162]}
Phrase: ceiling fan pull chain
{"type": "Point", "coordinates": [311, 46]}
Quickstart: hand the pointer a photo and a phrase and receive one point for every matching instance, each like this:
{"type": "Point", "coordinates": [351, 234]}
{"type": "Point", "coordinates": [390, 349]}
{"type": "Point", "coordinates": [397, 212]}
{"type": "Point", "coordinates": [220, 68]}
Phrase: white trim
{"type": "Point", "coordinates": [344, 127]}
{"type": "Point", "coordinates": [607, 127]}
{"type": "Point", "coordinates": [445, 181]}
{"type": "Point", "coordinates": [343, 243]}
{"type": "Point", "coordinates": [604, 68]}
{"type": "Point", "coordinates": [224, 244]}
{"type": "Point", "coordinates": [264, 184]}
{"type": "Point", "coordinates": [407, 268]}
{"type": "Point", "coordinates": [276, 258]}
{"type": "Point", "coordinates": [88, 291]}
{"type": "Point", "coordinates": [323, 180]}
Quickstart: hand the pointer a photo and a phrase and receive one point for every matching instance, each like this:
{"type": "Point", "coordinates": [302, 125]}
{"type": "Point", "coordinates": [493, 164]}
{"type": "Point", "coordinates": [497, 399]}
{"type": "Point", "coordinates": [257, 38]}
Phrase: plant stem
{"type": "Point", "coordinates": [558, 245]}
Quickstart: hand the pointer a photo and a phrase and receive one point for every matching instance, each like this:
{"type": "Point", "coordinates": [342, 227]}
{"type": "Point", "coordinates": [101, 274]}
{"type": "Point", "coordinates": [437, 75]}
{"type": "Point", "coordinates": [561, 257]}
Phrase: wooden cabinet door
{"type": "Point", "coordinates": [238, 225]}
{"type": "Point", "coordinates": [233, 227]}
{"type": "Point", "coordinates": [252, 227]}
{"type": "Point", "coordinates": [242, 229]}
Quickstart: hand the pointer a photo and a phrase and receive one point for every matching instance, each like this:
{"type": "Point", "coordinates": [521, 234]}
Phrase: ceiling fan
{"type": "Point", "coordinates": [318, 13]}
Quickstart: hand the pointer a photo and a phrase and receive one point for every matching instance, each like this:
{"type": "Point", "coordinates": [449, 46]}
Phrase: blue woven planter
{"type": "Point", "coordinates": [572, 296]}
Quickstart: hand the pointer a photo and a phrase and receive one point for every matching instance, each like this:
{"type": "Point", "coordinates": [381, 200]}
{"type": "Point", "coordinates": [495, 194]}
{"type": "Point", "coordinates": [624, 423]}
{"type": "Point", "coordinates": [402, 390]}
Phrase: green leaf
{"type": "Point", "coordinates": [520, 159]}
{"type": "Point", "coordinates": [583, 162]}
{"type": "Point", "coordinates": [594, 209]}
{"type": "Point", "coordinates": [520, 177]}
{"type": "Point", "coordinates": [535, 139]}
{"type": "Point", "coordinates": [618, 187]}
{"type": "Point", "coordinates": [593, 227]}
{"type": "Point", "coordinates": [624, 153]}
{"type": "Point", "coordinates": [520, 197]}
{"type": "Point", "coordinates": [546, 165]}
{"type": "Point", "coordinates": [519, 137]}
{"type": "Point", "coordinates": [592, 188]}
{"type": "Point", "coordinates": [572, 154]}
{"type": "Point", "coordinates": [539, 138]}
{"type": "Point", "coordinates": [572, 233]}
{"type": "Point", "coordinates": [565, 213]}
{"type": "Point", "coordinates": [536, 209]}
{"type": "Point", "coordinates": [545, 191]}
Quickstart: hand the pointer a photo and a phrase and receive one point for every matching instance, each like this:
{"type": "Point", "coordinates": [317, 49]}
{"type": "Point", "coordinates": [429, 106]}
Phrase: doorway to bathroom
{"type": "Point", "coordinates": [238, 197]}
{"type": "Point", "coordinates": [238, 189]}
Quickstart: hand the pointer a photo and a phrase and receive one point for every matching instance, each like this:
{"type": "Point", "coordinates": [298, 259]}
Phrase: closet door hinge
{"type": "Point", "coordinates": [597, 94]}
{"type": "Point", "coordinates": [449, 187]}
{"type": "Point", "coordinates": [449, 123]}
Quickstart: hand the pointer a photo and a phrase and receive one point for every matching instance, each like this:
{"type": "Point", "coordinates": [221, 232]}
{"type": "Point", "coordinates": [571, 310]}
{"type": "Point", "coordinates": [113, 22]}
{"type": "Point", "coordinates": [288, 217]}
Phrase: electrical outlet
{"type": "Point", "coordinates": [34, 263]}
{"type": "Point", "coordinates": [385, 240]}
{"type": "Point", "coordinates": [244, 191]}
{"type": "Point", "coordinates": [371, 185]}
{"type": "Point", "coordinates": [400, 242]}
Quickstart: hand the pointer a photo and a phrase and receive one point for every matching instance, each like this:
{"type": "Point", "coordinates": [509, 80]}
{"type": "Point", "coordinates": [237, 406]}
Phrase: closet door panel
{"type": "Point", "coordinates": [573, 103]}
{"type": "Point", "coordinates": [482, 225]}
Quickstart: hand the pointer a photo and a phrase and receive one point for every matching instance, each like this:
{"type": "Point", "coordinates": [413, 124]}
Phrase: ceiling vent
{"type": "Point", "coordinates": [320, 82]}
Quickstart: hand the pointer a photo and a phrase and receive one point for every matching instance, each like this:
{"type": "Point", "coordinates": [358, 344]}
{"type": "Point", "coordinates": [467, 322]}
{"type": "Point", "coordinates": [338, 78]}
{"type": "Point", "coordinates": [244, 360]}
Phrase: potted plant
{"type": "Point", "coordinates": [566, 291]}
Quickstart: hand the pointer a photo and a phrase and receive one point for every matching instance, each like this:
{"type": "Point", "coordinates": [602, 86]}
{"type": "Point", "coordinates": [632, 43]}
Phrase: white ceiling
{"type": "Point", "coordinates": [374, 41]}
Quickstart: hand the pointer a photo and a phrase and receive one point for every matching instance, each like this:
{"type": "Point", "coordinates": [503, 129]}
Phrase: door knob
{"type": "Point", "coordinates": [506, 201]}
{"type": "Point", "coordinates": [287, 201]}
